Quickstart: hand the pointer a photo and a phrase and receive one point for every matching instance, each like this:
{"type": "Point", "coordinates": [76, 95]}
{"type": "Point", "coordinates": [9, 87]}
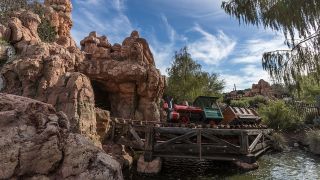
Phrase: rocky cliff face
{"type": "Point", "coordinates": [120, 78]}
{"type": "Point", "coordinates": [126, 76]}
{"type": "Point", "coordinates": [36, 143]}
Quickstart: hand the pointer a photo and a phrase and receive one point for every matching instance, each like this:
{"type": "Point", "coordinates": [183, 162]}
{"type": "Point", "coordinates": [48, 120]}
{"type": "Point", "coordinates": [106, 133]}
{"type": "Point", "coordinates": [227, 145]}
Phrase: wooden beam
{"type": "Point", "coordinates": [244, 143]}
{"type": "Point", "coordinates": [179, 138]}
{"type": "Point", "coordinates": [207, 135]}
{"type": "Point", "coordinates": [254, 143]}
{"type": "Point", "coordinates": [199, 143]}
{"type": "Point", "coordinates": [174, 136]}
{"type": "Point", "coordinates": [132, 144]}
{"type": "Point", "coordinates": [136, 136]}
{"type": "Point", "coordinates": [194, 150]}
{"type": "Point", "coordinates": [149, 143]}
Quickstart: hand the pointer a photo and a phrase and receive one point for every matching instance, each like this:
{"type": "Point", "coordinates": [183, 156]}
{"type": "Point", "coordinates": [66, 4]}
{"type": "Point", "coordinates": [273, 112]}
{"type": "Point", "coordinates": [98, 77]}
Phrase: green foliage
{"type": "Point", "coordinates": [279, 142]}
{"type": "Point", "coordinates": [255, 101]}
{"type": "Point", "coordinates": [292, 17]}
{"type": "Point", "coordinates": [47, 33]}
{"type": "Point", "coordinates": [9, 6]}
{"type": "Point", "coordinates": [186, 80]}
{"type": "Point", "coordinates": [239, 103]}
{"type": "Point", "coordinates": [280, 116]}
{"type": "Point", "coordinates": [313, 137]}
{"type": "Point", "coordinates": [3, 42]}
{"type": "Point", "coordinates": [309, 90]}
{"type": "Point", "coordinates": [309, 117]}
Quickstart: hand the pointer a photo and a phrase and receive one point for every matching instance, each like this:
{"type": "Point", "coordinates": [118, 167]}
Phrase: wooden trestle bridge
{"type": "Point", "coordinates": [226, 143]}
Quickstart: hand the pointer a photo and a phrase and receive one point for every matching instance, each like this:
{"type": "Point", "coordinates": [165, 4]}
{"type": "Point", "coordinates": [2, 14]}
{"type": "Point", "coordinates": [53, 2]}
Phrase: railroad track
{"type": "Point", "coordinates": [123, 121]}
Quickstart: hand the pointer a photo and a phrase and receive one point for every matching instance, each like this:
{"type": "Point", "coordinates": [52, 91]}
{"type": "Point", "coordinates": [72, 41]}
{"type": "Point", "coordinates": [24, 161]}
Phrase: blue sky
{"type": "Point", "coordinates": [215, 40]}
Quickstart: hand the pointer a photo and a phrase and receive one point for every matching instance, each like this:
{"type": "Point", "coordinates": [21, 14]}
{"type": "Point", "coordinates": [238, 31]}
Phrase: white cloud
{"type": "Point", "coordinates": [211, 49]}
{"type": "Point", "coordinates": [163, 52]}
{"type": "Point", "coordinates": [107, 17]}
{"type": "Point", "coordinates": [245, 77]}
{"type": "Point", "coordinates": [251, 51]}
{"type": "Point", "coordinates": [192, 8]}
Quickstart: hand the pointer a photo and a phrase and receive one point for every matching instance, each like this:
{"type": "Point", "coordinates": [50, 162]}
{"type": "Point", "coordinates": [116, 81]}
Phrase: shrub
{"type": "Point", "coordinates": [46, 32]}
{"type": "Point", "coordinates": [309, 117]}
{"type": "Point", "coordinates": [280, 116]}
{"type": "Point", "coordinates": [279, 143]}
{"type": "Point", "coordinates": [239, 103]}
{"type": "Point", "coordinates": [257, 100]}
{"type": "Point", "coordinates": [313, 138]}
{"type": "Point", "coordinates": [3, 42]}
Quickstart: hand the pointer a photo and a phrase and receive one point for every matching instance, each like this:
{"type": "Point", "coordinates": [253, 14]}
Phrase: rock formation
{"type": "Point", "coordinates": [262, 88]}
{"type": "Point", "coordinates": [124, 77]}
{"type": "Point", "coordinates": [35, 143]}
{"type": "Point", "coordinates": [46, 72]}
{"type": "Point", "coordinates": [120, 78]}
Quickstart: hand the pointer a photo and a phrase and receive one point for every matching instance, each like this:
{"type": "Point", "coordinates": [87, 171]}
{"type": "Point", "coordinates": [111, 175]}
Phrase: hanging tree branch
{"type": "Point", "coordinates": [296, 19]}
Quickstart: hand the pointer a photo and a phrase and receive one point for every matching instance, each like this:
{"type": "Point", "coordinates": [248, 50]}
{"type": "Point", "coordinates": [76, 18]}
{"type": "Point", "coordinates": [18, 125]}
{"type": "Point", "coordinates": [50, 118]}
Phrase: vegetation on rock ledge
{"type": "Point", "coordinates": [47, 33]}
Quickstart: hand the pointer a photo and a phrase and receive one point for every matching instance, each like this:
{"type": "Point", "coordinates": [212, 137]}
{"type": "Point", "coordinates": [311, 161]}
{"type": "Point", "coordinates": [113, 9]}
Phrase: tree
{"type": "Point", "coordinates": [299, 21]}
{"type": "Point", "coordinates": [186, 80]}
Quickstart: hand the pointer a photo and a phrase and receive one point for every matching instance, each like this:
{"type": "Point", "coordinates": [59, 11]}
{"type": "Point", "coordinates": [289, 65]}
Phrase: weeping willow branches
{"type": "Point", "coordinates": [297, 19]}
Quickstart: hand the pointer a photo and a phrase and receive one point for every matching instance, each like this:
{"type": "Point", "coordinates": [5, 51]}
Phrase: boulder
{"type": "Point", "coordinates": [35, 143]}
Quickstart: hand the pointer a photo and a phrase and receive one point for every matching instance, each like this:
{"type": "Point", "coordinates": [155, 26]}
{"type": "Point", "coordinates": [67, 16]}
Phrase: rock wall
{"type": "Point", "coordinates": [126, 73]}
{"type": "Point", "coordinates": [120, 78]}
{"type": "Point", "coordinates": [35, 143]}
{"type": "Point", "coordinates": [47, 71]}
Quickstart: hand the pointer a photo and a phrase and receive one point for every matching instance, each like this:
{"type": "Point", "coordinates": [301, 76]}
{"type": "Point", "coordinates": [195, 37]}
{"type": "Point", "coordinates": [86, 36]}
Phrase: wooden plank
{"type": "Point", "coordinates": [176, 139]}
{"type": "Point", "coordinates": [244, 143]}
{"type": "Point", "coordinates": [193, 149]}
{"type": "Point", "coordinates": [235, 148]}
{"type": "Point", "coordinates": [262, 145]}
{"type": "Point", "coordinates": [149, 142]}
{"type": "Point", "coordinates": [181, 130]}
{"type": "Point", "coordinates": [136, 136]}
{"type": "Point", "coordinates": [218, 157]}
{"type": "Point", "coordinates": [174, 136]}
{"type": "Point", "coordinates": [132, 144]}
{"type": "Point", "coordinates": [199, 143]}
{"type": "Point", "coordinates": [254, 143]}
{"type": "Point", "coordinates": [113, 128]}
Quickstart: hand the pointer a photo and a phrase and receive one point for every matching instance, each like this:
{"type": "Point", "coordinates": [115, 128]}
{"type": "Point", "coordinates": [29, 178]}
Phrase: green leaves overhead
{"type": "Point", "coordinates": [299, 21]}
{"type": "Point", "coordinates": [186, 80]}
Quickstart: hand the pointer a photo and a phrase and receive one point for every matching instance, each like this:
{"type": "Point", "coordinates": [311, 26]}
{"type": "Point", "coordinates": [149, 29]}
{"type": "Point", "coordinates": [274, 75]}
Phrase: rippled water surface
{"type": "Point", "coordinates": [291, 165]}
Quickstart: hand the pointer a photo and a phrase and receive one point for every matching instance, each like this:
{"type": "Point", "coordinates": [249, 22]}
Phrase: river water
{"type": "Point", "coordinates": [294, 164]}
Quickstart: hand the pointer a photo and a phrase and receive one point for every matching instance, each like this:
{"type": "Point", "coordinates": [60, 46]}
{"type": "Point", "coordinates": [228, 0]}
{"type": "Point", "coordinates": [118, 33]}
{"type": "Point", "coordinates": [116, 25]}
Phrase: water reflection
{"type": "Point", "coordinates": [292, 165]}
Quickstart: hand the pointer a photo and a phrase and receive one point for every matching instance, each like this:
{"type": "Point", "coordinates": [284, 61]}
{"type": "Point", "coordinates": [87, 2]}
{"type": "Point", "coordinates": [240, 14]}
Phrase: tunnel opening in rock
{"type": "Point", "coordinates": [101, 96]}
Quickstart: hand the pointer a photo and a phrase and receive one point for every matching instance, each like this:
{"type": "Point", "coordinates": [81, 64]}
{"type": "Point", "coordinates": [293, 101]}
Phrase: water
{"type": "Point", "coordinates": [292, 165]}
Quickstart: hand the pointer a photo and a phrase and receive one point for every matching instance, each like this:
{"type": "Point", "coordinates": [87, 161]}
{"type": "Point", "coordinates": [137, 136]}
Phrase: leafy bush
{"type": "Point", "coordinates": [3, 42]}
{"type": "Point", "coordinates": [279, 142]}
{"type": "Point", "coordinates": [239, 103]}
{"type": "Point", "coordinates": [47, 33]}
{"type": "Point", "coordinates": [257, 100]}
{"type": "Point", "coordinates": [313, 138]}
{"type": "Point", "coordinates": [280, 116]}
{"type": "Point", "coordinates": [309, 117]}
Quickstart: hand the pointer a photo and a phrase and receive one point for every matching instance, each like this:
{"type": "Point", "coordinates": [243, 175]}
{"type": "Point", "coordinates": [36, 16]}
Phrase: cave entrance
{"type": "Point", "coordinates": [101, 96]}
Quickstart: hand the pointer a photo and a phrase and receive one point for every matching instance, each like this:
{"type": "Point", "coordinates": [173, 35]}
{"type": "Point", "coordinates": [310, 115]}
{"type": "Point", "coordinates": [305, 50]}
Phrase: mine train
{"type": "Point", "coordinates": [206, 110]}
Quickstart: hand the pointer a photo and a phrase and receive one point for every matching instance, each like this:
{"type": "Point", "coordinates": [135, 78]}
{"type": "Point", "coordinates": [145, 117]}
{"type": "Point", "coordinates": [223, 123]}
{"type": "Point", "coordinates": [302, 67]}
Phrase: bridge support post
{"type": "Point", "coordinates": [149, 142]}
